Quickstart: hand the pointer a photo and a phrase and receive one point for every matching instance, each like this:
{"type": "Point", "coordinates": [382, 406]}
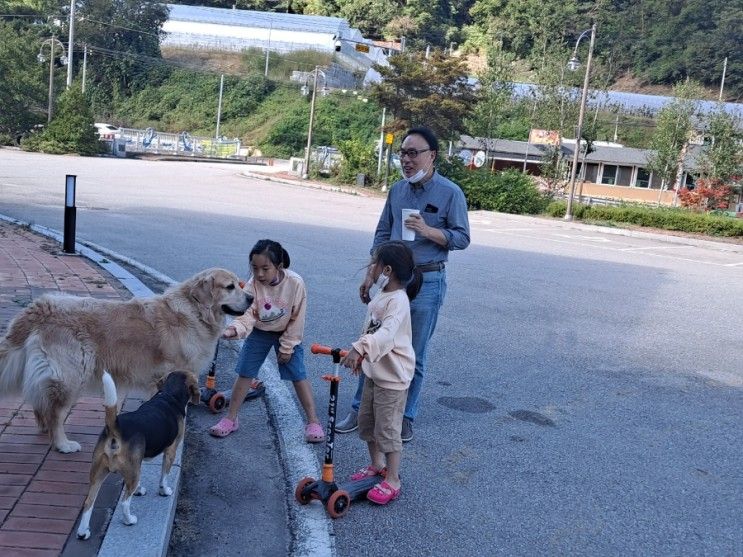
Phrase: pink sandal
{"type": "Point", "coordinates": [313, 433]}
{"type": "Point", "coordinates": [224, 427]}
{"type": "Point", "coordinates": [368, 472]}
{"type": "Point", "coordinates": [383, 493]}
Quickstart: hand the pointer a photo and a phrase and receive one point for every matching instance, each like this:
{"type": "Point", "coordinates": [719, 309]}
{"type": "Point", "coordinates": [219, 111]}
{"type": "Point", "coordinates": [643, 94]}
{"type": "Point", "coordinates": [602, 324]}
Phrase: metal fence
{"type": "Point", "coordinates": [150, 141]}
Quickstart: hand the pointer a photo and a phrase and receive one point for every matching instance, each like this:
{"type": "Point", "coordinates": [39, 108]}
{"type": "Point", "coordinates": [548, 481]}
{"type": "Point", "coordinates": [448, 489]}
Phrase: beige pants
{"type": "Point", "coordinates": [380, 416]}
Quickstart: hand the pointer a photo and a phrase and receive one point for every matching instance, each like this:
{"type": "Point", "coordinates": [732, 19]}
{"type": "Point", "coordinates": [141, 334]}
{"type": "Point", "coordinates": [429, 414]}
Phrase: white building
{"type": "Point", "coordinates": [235, 30]}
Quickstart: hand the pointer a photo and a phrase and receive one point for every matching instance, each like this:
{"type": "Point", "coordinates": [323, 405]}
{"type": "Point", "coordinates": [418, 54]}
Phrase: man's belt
{"type": "Point", "coordinates": [430, 267]}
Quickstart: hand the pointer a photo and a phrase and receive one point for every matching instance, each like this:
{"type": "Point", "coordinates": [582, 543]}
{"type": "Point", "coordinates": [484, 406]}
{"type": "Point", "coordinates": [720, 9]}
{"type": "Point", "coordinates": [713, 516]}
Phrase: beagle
{"type": "Point", "coordinates": [155, 428]}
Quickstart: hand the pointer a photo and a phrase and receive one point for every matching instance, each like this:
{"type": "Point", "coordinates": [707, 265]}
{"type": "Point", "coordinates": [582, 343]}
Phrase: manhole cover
{"type": "Point", "coordinates": [471, 404]}
{"type": "Point", "coordinates": [533, 417]}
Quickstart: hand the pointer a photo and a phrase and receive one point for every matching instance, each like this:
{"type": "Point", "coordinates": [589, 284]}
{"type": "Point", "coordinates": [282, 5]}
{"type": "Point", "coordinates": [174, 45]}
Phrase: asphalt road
{"type": "Point", "coordinates": [585, 394]}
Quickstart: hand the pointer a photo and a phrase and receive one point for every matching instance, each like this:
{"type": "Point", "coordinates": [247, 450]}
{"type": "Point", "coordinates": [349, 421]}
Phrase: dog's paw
{"type": "Point", "coordinates": [141, 490]}
{"type": "Point", "coordinates": [68, 446]}
{"type": "Point", "coordinates": [83, 534]}
{"type": "Point", "coordinates": [166, 491]}
{"type": "Point", "coordinates": [130, 520]}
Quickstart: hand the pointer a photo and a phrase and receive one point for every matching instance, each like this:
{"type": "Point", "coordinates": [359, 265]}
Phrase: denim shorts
{"type": "Point", "coordinates": [256, 348]}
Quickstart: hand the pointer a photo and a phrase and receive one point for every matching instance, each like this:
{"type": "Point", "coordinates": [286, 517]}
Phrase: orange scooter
{"type": "Point", "coordinates": [336, 497]}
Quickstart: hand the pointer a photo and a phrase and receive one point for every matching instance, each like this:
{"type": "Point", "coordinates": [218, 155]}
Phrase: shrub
{"type": "Point", "coordinates": [70, 131]}
{"type": "Point", "coordinates": [358, 158]}
{"type": "Point", "coordinates": [509, 191]}
{"type": "Point", "coordinates": [664, 218]}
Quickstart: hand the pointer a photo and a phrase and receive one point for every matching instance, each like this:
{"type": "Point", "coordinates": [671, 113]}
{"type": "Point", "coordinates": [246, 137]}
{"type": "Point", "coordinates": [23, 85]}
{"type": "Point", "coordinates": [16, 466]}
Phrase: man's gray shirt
{"type": "Point", "coordinates": [442, 205]}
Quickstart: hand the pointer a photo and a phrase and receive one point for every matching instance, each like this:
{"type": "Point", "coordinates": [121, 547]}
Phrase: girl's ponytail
{"type": "Point", "coordinates": [414, 286]}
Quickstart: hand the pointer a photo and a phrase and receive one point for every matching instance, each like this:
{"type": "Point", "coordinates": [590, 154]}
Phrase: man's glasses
{"type": "Point", "coordinates": [411, 153]}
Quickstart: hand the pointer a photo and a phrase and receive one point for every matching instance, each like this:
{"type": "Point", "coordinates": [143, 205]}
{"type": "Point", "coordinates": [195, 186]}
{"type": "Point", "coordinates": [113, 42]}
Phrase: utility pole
{"type": "Point", "coordinates": [51, 79]}
{"type": "Point", "coordinates": [70, 42]}
{"type": "Point", "coordinates": [268, 49]}
{"type": "Point", "coordinates": [85, 64]}
{"type": "Point", "coordinates": [381, 142]}
{"type": "Point", "coordinates": [219, 105]}
{"type": "Point", "coordinates": [724, 70]}
{"type": "Point", "coordinates": [616, 128]}
{"type": "Point", "coordinates": [306, 169]}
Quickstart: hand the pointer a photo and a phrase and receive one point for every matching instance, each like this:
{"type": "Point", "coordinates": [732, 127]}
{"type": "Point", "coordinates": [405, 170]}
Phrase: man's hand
{"type": "Point", "coordinates": [230, 332]}
{"type": "Point", "coordinates": [365, 288]}
{"type": "Point", "coordinates": [283, 358]}
{"type": "Point", "coordinates": [352, 361]}
{"type": "Point", "coordinates": [416, 222]}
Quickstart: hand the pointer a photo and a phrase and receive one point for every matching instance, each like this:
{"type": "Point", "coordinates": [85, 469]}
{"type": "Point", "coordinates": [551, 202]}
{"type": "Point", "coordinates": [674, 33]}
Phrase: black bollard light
{"type": "Point", "coordinates": [68, 244]}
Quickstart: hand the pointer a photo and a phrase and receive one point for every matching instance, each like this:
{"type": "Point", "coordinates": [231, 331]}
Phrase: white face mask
{"type": "Point", "coordinates": [418, 176]}
{"type": "Point", "coordinates": [381, 282]}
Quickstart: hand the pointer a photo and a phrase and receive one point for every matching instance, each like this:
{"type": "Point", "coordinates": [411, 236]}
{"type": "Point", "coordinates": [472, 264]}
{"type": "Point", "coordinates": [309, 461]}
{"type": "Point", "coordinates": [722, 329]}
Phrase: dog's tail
{"type": "Point", "coordinates": [16, 347]}
{"type": "Point", "coordinates": [12, 366]}
{"type": "Point", "coordinates": [110, 399]}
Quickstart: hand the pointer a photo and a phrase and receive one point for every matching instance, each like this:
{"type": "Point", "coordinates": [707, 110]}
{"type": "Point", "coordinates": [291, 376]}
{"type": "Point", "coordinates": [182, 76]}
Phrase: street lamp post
{"type": "Point", "coordinates": [573, 65]}
{"type": "Point", "coordinates": [306, 169]}
{"type": "Point", "coordinates": [51, 42]}
{"type": "Point", "coordinates": [70, 43]}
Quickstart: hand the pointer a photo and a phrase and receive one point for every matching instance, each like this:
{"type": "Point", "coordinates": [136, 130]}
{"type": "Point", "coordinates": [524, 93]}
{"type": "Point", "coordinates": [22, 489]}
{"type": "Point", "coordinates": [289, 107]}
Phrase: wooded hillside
{"type": "Point", "coordinates": [655, 41]}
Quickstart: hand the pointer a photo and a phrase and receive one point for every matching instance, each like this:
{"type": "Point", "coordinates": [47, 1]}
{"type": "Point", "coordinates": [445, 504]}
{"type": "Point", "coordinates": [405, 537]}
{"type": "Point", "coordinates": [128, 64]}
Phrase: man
{"type": "Point", "coordinates": [441, 226]}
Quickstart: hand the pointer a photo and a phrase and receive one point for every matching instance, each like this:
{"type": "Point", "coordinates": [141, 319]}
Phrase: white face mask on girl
{"type": "Point", "coordinates": [381, 282]}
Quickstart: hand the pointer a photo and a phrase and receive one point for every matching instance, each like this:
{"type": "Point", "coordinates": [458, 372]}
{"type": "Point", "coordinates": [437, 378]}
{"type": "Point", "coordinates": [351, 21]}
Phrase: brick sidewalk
{"type": "Point", "coordinates": [42, 491]}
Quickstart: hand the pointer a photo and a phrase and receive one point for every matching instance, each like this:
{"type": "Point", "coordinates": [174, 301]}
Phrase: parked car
{"type": "Point", "coordinates": [107, 131]}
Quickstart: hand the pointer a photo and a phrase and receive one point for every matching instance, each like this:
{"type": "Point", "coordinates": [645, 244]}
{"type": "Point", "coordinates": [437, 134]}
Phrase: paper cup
{"type": "Point", "coordinates": [407, 233]}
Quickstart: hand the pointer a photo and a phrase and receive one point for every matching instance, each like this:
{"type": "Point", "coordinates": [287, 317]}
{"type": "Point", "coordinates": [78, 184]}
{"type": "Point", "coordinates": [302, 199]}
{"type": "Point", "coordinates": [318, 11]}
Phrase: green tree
{"type": "Point", "coordinates": [723, 159]}
{"type": "Point", "coordinates": [71, 130]}
{"type": "Point", "coordinates": [494, 103]}
{"type": "Point", "coordinates": [673, 127]}
{"type": "Point", "coordinates": [434, 92]}
{"type": "Point", "coordinates": [123, 38]}
{"type": "Point", "coordinates": [22, 90]}
{"type": "Point", "coordinates": [370, 17]}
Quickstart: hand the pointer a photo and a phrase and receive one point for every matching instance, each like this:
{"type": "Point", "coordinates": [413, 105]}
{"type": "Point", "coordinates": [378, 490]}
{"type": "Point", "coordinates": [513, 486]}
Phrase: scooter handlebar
{"type": "Point", "coordinates": [322, 349]}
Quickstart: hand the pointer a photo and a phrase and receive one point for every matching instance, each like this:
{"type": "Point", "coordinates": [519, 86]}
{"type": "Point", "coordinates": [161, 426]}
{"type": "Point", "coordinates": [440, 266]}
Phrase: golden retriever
{"type": "Point", "coordinates": [58, 347]}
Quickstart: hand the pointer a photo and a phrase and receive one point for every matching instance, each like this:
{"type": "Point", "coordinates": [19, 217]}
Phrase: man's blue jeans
{"type": "Point", "coordinates": [424, 312]}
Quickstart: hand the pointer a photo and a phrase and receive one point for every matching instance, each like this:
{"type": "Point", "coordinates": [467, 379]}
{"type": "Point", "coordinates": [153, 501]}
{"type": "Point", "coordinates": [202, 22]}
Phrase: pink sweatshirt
{"type": "Point", "coordinates": [387, 345]}
{"type": "Point", "coordinates": [280, 308]}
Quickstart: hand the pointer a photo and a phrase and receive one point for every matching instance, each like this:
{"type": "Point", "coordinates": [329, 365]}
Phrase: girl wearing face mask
{"type": "Point", "coordinates": [385, 355]}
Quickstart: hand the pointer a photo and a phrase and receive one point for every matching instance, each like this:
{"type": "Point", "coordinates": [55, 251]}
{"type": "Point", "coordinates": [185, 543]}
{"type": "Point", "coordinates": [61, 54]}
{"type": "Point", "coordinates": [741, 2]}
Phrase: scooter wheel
{"type": "Point", "coordinates": [299, 494]}
{"type": "Point", "coordinates": [338, 504]}
{"type": "Point", "coordinates": [217, 403]}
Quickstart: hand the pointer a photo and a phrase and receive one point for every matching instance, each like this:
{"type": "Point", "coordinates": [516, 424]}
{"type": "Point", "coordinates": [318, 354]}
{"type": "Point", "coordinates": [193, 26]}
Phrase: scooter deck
{"type": "Point", "coordinates": [254, 392]}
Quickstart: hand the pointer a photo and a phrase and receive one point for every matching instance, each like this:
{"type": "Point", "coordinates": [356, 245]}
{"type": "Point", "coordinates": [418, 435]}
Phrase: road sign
{"type": "Point", "coordinates": [362, 47]}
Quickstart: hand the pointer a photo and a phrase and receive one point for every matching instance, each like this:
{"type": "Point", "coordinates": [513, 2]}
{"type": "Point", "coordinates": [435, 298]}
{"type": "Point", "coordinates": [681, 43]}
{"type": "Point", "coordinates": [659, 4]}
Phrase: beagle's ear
{"type": "Point", "coordinates": [193, 388]}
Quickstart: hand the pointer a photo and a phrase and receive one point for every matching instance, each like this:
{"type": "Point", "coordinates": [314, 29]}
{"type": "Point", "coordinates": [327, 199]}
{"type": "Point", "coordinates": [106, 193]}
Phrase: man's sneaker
{"type": "Point", "coordinates": [407, 430]}
{"type": "Point", "coordinates": [349, 423]}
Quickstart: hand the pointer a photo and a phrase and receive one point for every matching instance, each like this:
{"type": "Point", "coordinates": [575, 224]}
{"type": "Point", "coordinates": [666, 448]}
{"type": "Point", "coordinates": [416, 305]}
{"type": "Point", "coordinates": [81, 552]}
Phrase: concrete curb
{"type": "Point", "coordinates": [302, 183]}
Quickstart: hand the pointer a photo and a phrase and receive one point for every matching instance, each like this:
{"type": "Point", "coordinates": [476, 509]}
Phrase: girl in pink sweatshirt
{"type": "Point", "coordinates": [274, 320]}
{"type": "Point", "coordinates": [385, 354]}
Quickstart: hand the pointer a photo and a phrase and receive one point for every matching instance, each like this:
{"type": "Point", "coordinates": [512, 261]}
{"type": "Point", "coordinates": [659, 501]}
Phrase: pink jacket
{"type": "Point", "coordinates": [280, 308]}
